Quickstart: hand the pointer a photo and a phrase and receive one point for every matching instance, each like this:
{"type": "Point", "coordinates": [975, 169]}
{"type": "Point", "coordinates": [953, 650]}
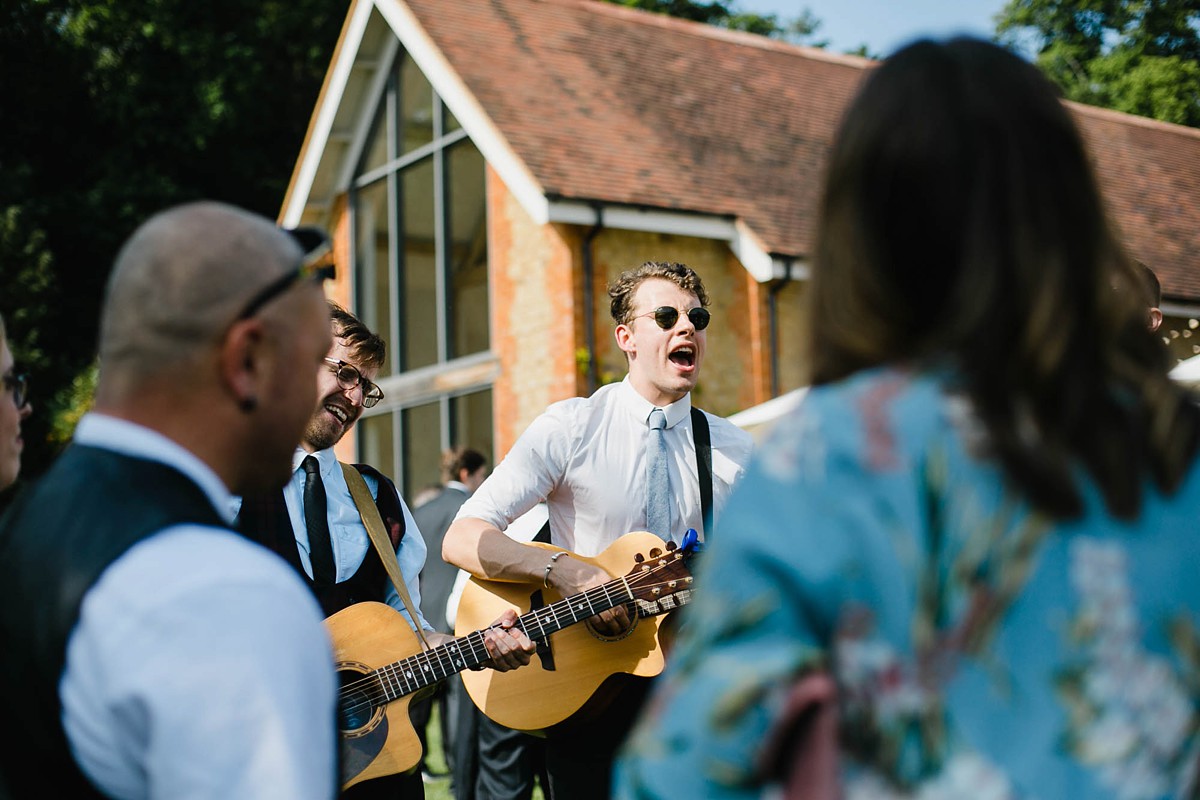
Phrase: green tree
{"type": "Point", "coordinates": [726, 14]}
{"type": "Point", "coordinates": [1137, 56]}
{"type": "Point", "coordinates": [114, 109]}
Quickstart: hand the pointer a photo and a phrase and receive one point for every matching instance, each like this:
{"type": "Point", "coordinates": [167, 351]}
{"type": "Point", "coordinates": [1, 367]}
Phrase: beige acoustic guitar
{"type": "Point", "coordinates": [562, 680]}
{"type": "Point", "coordinates": [381, 666]}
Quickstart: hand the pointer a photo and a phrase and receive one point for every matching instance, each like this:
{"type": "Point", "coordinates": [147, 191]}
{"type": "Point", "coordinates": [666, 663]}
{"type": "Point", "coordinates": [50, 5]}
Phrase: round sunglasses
{"type": "Point", "coordinates": [666, 317]}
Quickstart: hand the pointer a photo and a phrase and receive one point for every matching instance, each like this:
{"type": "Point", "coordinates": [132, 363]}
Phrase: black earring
{"type": "Point", "coordinates": [248, 404]}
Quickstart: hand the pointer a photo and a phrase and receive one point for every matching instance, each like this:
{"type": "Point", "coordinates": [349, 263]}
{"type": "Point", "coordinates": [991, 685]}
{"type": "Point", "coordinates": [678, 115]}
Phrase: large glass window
{"type": "Point", "coordinates": [467, 228]}
{"type": "Point", "coordinates": [418, 210]}
{"type": "Point", "coordinates": [407, 443]}
{"type": "Point", "coordinates": [418, 254]}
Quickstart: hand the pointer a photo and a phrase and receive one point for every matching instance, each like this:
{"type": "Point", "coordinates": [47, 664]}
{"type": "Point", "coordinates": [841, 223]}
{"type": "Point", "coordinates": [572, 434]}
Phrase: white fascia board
{"type": "Point", "coordinates": [742, 241]}
{"type": "Point", "coordinates": [314, 149]}
{"type": "Point", "coordinates": [750, 251]}
{"type": "Point", "coordinates": [1180, 310]}
{"type": "Point", "coordinates": [638, 219]}
{"type": "Point", "coordinates": [466, 109]}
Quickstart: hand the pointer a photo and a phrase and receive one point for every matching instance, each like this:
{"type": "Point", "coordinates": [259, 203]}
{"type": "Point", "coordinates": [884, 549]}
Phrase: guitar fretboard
{"type": "Point", "coordinates": [467, 652]}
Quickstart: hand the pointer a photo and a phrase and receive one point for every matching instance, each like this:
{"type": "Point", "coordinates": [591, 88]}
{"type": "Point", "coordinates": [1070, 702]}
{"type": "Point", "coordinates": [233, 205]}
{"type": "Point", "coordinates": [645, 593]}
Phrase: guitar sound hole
{"type": "Point", "coordinates": [355, 704]}
{"type": "Point", "coordinates": [631, 610]}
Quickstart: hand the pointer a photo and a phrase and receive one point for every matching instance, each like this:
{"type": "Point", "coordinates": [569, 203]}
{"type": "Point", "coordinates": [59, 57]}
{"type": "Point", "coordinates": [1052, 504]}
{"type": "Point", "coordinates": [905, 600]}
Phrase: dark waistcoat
{"type": "Point", "coordinates": [264, 519]}
{"type": "Point", "coordinates": [57, 538]}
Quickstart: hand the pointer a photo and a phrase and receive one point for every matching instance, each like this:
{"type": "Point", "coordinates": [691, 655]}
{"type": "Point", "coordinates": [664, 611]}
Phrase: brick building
{"type": "Point", "coordinates": [487, 166]}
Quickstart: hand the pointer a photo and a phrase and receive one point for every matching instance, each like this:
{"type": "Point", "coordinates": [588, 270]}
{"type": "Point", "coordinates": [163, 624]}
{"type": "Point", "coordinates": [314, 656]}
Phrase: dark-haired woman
{"type": "Point", "coordinates": [973, 550]}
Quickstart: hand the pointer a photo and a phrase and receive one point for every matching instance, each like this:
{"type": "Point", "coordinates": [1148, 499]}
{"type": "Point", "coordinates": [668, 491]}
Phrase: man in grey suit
{"type": "Point", "coordinates": [463, 469]}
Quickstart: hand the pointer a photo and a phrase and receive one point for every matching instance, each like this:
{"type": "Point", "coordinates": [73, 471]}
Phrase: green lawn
{"type": "Point", "coordinates": [439, 789]}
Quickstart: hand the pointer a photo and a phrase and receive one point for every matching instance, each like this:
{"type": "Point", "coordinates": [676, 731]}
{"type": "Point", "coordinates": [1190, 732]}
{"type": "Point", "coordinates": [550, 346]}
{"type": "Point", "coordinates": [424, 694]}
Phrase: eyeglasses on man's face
{"type": "Point", "coordinates": [316, 246]}
{"type": "Point", "coordinates": [666, 317]}
{"type": "Point", "coordinates": [349, 377]}
{"type": "Point", "coordinates": [19, 386]}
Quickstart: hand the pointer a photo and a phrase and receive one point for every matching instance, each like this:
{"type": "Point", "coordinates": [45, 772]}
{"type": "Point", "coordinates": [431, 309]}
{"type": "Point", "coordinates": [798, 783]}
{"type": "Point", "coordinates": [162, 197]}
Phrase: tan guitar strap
{"type": "Point", "coordinates": [383, 545]}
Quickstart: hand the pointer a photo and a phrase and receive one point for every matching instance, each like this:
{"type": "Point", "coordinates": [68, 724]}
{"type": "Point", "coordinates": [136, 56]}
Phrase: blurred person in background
{"type": "Point", "coordinates": [13, 410]}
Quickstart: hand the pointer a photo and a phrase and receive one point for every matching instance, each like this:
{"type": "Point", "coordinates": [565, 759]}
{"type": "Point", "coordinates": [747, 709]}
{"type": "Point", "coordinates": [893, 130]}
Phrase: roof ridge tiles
{"type": "Point", "coordinates": [708, 31]}
{"type": "Point", "coordinates": [1125, 117]}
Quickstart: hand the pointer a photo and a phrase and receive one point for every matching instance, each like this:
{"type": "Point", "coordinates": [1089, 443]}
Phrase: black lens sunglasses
{"type": "Point", "coordinates": [666, 317]}
{"type": "Point", "coordinates": [316, 246]}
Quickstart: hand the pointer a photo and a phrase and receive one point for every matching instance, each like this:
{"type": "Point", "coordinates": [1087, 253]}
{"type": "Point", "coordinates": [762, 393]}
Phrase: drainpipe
{"type": "Point", "coordinates": [777, 285]}
{"type": "Point", "coordinates": [589, 315]}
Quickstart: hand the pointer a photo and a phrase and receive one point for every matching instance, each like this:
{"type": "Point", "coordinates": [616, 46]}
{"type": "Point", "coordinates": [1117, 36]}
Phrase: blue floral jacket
{"type": "Point", "coordinates": [980, 650]}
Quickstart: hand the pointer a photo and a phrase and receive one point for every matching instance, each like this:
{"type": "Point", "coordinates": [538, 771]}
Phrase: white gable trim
{"type": "Point", "coordinates": [314, 148]}
{"type": "Point", "coordinates": [466, 108]}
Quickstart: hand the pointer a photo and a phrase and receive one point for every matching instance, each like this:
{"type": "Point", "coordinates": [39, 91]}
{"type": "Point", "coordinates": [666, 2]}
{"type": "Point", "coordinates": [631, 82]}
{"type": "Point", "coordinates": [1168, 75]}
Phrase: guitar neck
{"type": "Point", "coordinates": [467, 652]}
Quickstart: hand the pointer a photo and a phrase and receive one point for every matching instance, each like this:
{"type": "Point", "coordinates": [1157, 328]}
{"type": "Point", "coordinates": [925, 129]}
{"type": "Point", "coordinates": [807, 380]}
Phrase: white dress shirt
{"type": "Point", "coordinates": [348, 534]}
{"type": "Point", "coordinates": [586, 457]}
{"type": "Point", "coordinates": [200, 666]}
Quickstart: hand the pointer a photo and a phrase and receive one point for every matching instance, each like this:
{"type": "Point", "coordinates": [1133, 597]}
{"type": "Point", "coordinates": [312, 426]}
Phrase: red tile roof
{"type": "Point", "coordinates": [606, 103]}
{"type": "Point", "coordinates": [1149, 172]}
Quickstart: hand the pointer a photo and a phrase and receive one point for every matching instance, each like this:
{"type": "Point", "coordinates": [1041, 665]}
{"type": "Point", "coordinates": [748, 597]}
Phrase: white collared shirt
{"type": "Point", "coordinates": [586, 457]}
{"type": "Point", "coordinates": [348, 535]}
{"type": "Point", "coordinates": [200, 666]}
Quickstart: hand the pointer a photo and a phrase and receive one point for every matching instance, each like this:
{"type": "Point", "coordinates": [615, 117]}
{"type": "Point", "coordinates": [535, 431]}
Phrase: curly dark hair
{"type": "Point", "coordinates": [367, 347]}
{"type": "Point", "coordinates": [625, 286]}
{"type": "Point", "coordinates": [961, 225]}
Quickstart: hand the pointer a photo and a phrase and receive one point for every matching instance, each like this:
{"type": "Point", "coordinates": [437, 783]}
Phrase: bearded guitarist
{"type": "Point", "coordinates": [634, 456]}
{"type": "Point", "coordinates": [319, 527]}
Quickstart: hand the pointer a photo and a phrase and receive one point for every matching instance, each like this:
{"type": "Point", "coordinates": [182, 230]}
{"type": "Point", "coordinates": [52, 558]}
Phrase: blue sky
{"type": "Point", "coordinates": [883, 25]}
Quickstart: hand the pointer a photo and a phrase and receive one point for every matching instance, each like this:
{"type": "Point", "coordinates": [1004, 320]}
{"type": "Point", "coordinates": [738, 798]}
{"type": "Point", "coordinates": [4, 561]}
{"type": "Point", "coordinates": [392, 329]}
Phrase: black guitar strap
{"type": "Point", "coordinates": [703, 442]}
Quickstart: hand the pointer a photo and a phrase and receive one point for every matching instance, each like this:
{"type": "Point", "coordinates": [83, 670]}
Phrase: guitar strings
{"type": "Point", "coordinates": [393, 672]}
{"type": "Point", "coordinates": [370, 689]}
{"type": "Point", "coordinates": [551, 611]}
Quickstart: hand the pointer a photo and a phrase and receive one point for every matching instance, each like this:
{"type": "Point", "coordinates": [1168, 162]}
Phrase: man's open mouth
{"type": "Point", "coordinates": [684, 356]}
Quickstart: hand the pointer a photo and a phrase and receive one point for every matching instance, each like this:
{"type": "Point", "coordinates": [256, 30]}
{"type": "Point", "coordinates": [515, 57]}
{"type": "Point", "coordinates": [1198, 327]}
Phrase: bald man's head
{"type": "Point", "coordinates": [179, 281]}
{"type": "Point", "coordinates": [204, 339]}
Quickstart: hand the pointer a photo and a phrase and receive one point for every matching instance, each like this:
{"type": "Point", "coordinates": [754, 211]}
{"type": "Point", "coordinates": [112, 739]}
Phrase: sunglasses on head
{"type": "Point", "coordinates": [316, 246]}
{"type": "Point", "coordinates": [666, 317]}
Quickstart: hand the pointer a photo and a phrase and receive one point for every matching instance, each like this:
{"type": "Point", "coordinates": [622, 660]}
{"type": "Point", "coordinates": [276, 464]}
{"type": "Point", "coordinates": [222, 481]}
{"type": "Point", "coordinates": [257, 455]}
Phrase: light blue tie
{"type": "Point", "coordinates": [658, 486]}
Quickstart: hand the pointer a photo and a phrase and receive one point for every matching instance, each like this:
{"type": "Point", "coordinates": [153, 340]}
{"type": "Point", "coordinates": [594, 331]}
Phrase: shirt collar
{"type": "Point", "coordinates": [130, 439]}
{"type": "Point", "coordinates": [640, 407]}
{"type": "Point", "coordinates": [326, 458]}
{"type": "Point", "coordinates": [462, 487]}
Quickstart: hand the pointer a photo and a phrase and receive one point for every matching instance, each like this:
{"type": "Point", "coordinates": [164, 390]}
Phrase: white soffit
{"type": "Point", "coordinates": [314, 149]}
{"type": "Point", "coordinates": [1179, 309]}
{"type": "Point", "coordinates": [466, 108]}
{"type": "Point", "coordinates": [742, 241]}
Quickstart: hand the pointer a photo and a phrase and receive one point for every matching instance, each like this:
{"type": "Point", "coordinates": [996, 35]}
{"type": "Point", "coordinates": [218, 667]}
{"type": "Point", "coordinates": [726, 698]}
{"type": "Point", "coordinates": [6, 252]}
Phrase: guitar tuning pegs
{"type": "Point", "coordinates": [655, 552]}
{"type": "Point", "coordinates": [671, 546]}
{"type": "Point", "coordinates": [638, 558]}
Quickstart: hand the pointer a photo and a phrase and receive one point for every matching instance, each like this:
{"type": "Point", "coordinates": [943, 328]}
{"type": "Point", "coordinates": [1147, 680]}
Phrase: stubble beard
{"type": "Point", "coordinates": [323, 432]}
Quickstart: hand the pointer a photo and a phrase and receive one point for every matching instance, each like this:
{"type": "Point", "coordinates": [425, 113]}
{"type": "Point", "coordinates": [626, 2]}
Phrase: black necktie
{"type": "Point", "coordinates": [315, 519]}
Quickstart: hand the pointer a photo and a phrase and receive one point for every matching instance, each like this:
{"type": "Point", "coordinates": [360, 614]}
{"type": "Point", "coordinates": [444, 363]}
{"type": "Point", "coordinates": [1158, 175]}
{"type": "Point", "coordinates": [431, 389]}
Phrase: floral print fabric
{"type": "Point", "coordinates": [980, 650]}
